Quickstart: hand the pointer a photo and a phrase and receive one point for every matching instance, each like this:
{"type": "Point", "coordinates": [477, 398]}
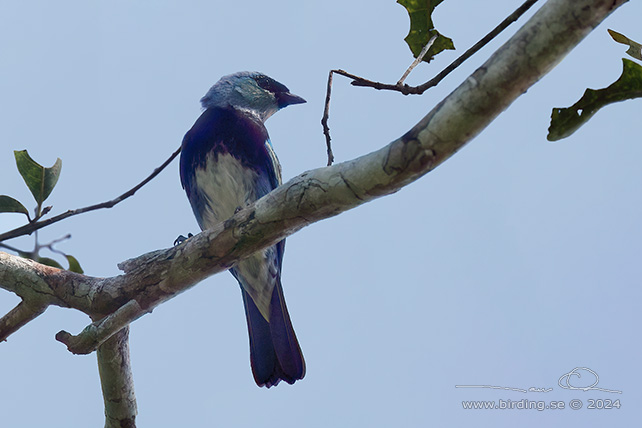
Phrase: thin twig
{"type": "Point", "coordinates": [10, 248]}
{"type": "Point", "coordinates": [324, 120]}
{"type": "Point", "coordinates": [477, 46]}
{"type": "Point", "coordinates": [50, 245]}
{"type": "Point", "coordinates": [29, 228]}
{"type": "Point", "coordinates": [417, 60]}
{"type": "Point", "coordinates": [416, 90]}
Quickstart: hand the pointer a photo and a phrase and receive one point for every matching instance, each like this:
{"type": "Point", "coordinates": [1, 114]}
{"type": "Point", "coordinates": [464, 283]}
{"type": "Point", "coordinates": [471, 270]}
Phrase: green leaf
{"type": "Point", "coordinates": [74, 266]}
{"type": "Point", "coordinates": [49, 262]}
{"type": "Point", "coordinates": [565, 121]}
{"type": "Point", "coordinates": [39, 179]}
{"type": "Point", "coordinates": [422, 28]}
{"type": "Point", "coordinates": [10, 205]}
{"type": "Point", "coordinates": [635, 49]}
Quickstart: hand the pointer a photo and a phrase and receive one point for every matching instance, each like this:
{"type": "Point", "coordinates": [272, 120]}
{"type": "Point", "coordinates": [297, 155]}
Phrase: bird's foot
{"type": "Point", "coordinates": [182, 239]}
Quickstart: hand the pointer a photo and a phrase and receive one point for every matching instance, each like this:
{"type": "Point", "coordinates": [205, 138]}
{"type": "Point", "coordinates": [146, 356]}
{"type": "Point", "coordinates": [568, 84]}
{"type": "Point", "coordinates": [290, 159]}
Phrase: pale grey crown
{"type": "Point", "coordinates": [252, 92]}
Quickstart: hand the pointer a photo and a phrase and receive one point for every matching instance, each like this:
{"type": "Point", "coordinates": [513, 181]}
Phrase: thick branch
{"type": "Point", "coordinates": [19, 316]}
{"type": "Point", "coordinates": [117, 381]}
{"type": "Point", "coordinates": [98, 332]}
{"type": "Point", "coordinates": [29, 280]}
{"type": "Point", "coordinates": [322, 193]}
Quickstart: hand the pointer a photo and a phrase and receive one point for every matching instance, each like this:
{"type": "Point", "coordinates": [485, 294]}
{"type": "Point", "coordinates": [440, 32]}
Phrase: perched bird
{"type": "Point", "coordinates": [227, 162]}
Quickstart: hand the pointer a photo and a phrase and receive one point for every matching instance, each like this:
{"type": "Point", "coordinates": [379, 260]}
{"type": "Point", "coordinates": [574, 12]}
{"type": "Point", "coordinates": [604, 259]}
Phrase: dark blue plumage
{"type": "Point", "coordinates": [227, 162]}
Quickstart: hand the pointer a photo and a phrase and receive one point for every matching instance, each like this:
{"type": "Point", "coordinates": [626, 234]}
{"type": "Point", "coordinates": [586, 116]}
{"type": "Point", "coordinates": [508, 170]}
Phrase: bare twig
{"type": "Point", "coordinates": [417, 60]}
{"type": "Point", "coordinates": [10, 248]}
{"type": "Point", "coordinates": [55, 241]}
{"type": "Point", "coordinates": [418, 90]}
{"type": "Point", "coordinates": [477, 46]}
{"type": "Point", "coordinates": [50, 246]}
{"type": "Point", "coordinates": [29, 228]}
{"type": "Point", "coordinates": [324, 120]}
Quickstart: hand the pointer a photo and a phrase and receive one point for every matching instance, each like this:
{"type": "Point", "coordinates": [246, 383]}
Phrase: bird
{"type": "Point", "coordinates": [227, 162]}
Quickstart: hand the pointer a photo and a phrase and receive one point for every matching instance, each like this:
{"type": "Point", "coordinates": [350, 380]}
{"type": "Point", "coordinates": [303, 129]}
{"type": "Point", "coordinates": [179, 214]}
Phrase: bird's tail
{"type": "Point", "coordinates": [275, 354]}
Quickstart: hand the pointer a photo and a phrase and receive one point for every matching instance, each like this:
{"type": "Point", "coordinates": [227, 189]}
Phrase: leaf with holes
{"type": "Point", "coordinates": [565, 121]}
{"type": "Point", "coordinates": [422, 28]}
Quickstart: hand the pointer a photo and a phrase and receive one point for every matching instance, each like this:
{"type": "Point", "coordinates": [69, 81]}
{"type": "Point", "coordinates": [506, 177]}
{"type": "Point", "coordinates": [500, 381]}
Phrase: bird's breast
{"type": "Point", "coordinates": [224, 184]}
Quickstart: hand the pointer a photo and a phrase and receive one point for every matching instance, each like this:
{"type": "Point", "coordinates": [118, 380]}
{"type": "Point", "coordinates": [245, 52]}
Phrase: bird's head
{"type": "Point", "coordinates": [253, 92]}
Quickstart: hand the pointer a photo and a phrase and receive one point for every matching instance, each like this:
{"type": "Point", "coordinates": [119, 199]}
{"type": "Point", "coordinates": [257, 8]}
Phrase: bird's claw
{"type": "Point", "coordinates": [181, 239]}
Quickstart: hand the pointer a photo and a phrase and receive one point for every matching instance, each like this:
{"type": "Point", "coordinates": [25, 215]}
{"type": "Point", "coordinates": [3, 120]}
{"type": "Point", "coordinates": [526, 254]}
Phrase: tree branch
{"type": "Point", "coordinates": [325, 192]}
{"type": "Point", "coordinates": [31, 227]}
{"type": "Point", "coordinates": [415, 90]}
{"type": "Point", "coordinates": [417, 60]}
{"type": "Point", "coordinates": [19, 316]}
{"type": "Point", "coordinates": [117, 381]}
{"type": "Point", "coordinates": [95, 334]}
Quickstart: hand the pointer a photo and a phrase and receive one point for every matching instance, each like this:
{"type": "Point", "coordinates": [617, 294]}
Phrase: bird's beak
{"type": "Point", "coordinates": [286, 98]}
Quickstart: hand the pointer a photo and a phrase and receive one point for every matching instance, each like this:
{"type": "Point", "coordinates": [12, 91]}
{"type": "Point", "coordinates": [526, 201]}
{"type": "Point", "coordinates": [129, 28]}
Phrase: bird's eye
{"type": "Point", "coordinates": [270, 84]}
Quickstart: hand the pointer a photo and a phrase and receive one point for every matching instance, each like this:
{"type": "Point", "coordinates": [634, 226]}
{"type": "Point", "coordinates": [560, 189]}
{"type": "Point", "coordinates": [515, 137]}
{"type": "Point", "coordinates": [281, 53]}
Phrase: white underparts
{"type": "Point", "coordinates": [225, 185]}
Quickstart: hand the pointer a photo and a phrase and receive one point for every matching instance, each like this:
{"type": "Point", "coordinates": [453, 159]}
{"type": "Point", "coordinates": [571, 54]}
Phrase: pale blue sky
{"type": "Point", "coordinates": [511, 264]}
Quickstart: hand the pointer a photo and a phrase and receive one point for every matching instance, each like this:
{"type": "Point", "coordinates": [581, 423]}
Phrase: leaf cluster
{"type": "Point", "coordinates": [41, 182]}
